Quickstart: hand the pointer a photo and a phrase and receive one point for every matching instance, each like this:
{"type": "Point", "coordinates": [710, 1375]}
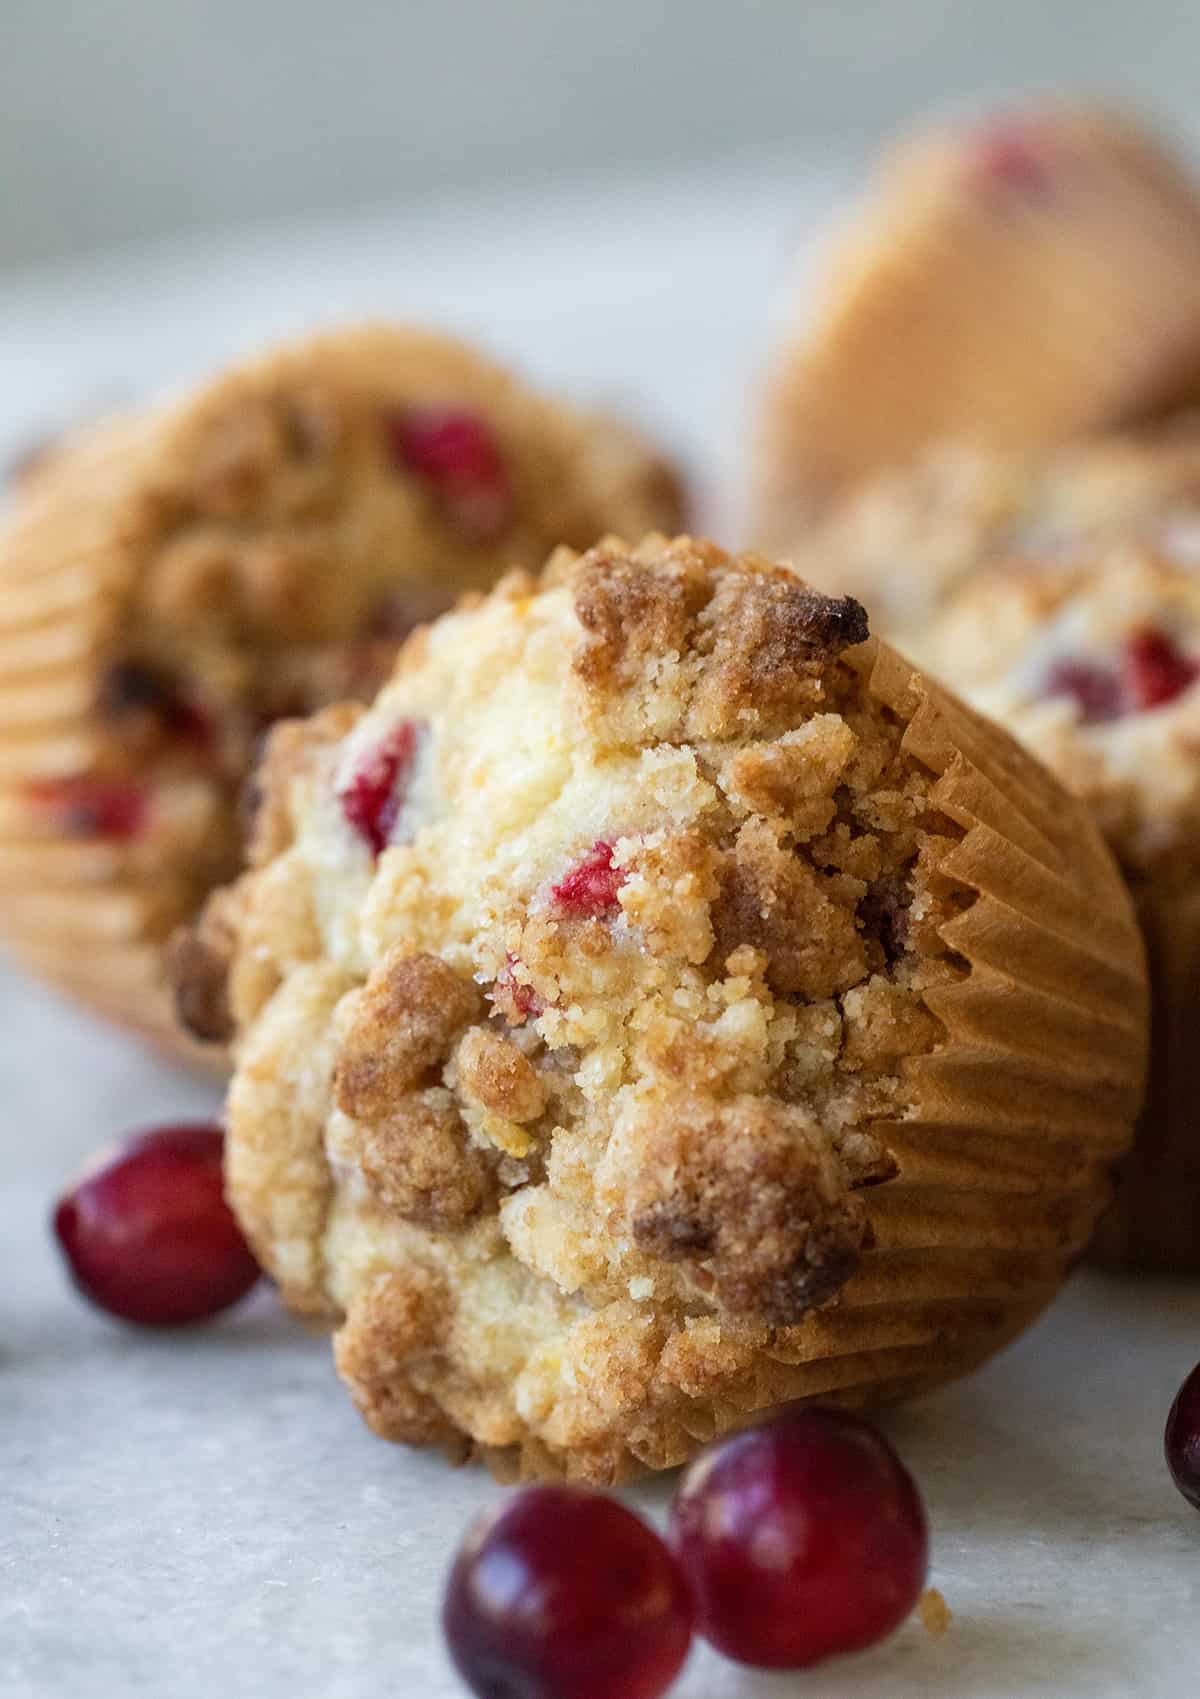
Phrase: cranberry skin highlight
{"type": "Point", "coordinates": [801, 1540]}
{"type": "Point", "coordinates": [565, 1594]}
{"type": "Point", "coordinates": [1182, 1439]}
{"type": "Point", "coordinates": [147, 1234]}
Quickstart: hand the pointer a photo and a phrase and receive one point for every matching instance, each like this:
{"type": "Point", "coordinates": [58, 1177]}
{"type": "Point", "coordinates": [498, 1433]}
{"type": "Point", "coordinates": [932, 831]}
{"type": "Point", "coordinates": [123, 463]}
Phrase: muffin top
{"type": "Point", "coordinates": [1093, 659]}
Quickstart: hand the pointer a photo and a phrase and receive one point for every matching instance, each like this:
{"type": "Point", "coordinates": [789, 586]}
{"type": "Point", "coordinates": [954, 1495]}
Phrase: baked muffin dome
{"type": "Point", "coordinates": [660, 1005]}
{"type": "Point", "coordinates": [1011, 284]}
{"type": "Point", "coordinates": [174, 581]}
{"type": "Point", "coordinates": [1094, 662]}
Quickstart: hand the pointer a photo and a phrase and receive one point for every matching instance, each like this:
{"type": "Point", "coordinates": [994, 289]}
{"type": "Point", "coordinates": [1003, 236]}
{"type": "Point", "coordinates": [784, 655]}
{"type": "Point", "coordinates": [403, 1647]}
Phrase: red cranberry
{"type": "Point", "coordinates": [374, 794]}
{"type": "Point", "coordinates": [1156, 670]}
{"type": "Point", "coordinates": [800, 1539]}
{"type": "Point", "coordinates": [1182, 1439]}
{"type": "Point", "coordinates": [1010, 156]}
{"type": "Point", "coordinates": [455, 454]}
{"type": "Point", "coordinates": [93, 807]}
{"type": "Point", "coordinates": [565, 1594]}
{"type": "Point", "coordinates": [590, 888]}
{"type": "Point", "coordinates": [148, 1235]}
{"type": "Point", "coordinates": [1095, 690]}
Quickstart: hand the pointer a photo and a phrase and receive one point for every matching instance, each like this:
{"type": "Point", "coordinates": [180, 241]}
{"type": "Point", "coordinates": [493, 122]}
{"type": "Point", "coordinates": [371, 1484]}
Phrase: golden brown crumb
{"type": "Point", "coordinates": [934, 1612]}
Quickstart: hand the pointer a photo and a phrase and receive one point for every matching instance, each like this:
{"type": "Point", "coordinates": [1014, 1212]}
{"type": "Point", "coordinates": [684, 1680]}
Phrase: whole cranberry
{"type": "Point", "coordinates": [1182, 1439]}
{"type": "Point", "coordinates": [147, 1233]}
{"type": "Point", "coordinates": [800, 1539]}
{"type": "Point", "coordinates": [565, 1594]}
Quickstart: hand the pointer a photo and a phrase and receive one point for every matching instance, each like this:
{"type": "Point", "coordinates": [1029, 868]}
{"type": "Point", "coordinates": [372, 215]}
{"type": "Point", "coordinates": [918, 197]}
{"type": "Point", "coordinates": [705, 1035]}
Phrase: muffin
{"type": "Point", "coordinates": [173, 581]}
{"type": "Point", "coordinates": [1012, 284]}
{"type": "Point", "coordinates": [907, 540]}
{"type": "Point", "coordinates": [661, 1005]}
{"type": "Point", "coordinates": [1094, 663]}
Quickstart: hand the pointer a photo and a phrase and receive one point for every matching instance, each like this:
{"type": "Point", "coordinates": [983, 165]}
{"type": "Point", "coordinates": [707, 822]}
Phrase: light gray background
{"type": "Point", "coordinates": [121, 118]}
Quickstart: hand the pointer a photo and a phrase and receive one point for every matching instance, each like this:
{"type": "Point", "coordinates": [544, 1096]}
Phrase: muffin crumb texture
{"type": "Point", "coordinates": [612, 1065]}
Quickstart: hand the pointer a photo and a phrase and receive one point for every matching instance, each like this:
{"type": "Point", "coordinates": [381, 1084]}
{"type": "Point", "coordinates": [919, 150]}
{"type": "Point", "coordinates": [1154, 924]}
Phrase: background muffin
{"type": "Point", "coordinates": [660, 1005]}
{"type": "Point", "coordinates": [174, 581]}
{"type": "Point", "coordinates": [907, 540]}
{"type": "Point", "coordinates": [1011, 285]}
{"type": "Point", "coordinates": [1095, 663]}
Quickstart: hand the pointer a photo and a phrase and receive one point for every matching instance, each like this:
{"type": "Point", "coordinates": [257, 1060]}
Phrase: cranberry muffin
{"type": "Point", "coordinates": [906, 541]}
{"type": "Point", "coordinates": [663, 1004]}
{"type": "Point", "coordinates": [1094, 662]}
{"type": "Point", "coordinates": [173, 581]}
{"type": "Point", "coordinates": [1012, 285]}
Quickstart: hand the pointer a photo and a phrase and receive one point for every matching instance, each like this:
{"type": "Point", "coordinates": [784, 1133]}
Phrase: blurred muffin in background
{"type": "Point", "coordinates": [174, 581]}
{"type": "Point", "coordinates": [1010, 284]}
{"type": "Point", "coordinates": [907, 540]}
{"type": "Point", "coordinates": [1093, 660]}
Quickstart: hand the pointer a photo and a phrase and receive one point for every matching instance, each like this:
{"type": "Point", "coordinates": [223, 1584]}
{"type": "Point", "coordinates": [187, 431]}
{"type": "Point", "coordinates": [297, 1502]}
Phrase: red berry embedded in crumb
{"type": "Point", "coordinates": [1182, 1439]}
{"type": "Point", "coordinates": [455, 454]}
{"type": "Point", "coordinates": [1095, 690]}
{"type": "Point", "coordinates": [92, 807]}
{"type": "Point", "coordinates": [515, 999]}
{"type": "Point", "coordinates": [801, 1539]}
{"type": "Point", "coordinates": [1010, 155]}
{"type": "Point", "coordinates": [374, 794]}
{"type": "Point", "coordinates": [590, 888]}
{"type": "Point", "coordinates": [565, 1594]}
{"type": "Point", "coordinates": [148, 1235]}
{"type": "Point", "coordinates": [1156, 670]}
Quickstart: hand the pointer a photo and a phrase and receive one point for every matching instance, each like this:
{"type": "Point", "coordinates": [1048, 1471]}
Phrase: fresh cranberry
{"type": "Point", "coordinates": [1156, 670]}
{"type": "Point", "coordinates": [565, 1594]}
{"type": "Point", "coordinates": [93, 807]}
{"type": "Point", "coordinates": [1010, 156]}
{"type": "Point", "coordinates": [1182, 1439]}
{"type": "Point", "coordinates": [148, 1235]}
{"type": "Point", "coordinates": [455, 454]}
{"type": "Point", "coordinates": [590, 888]}
{"type": "Point", "coordinates": [1095, 690]}
{"type": "Point", "coordinates": [374, 794]}
{"type": "Point", "coordinates": [800, 1539]}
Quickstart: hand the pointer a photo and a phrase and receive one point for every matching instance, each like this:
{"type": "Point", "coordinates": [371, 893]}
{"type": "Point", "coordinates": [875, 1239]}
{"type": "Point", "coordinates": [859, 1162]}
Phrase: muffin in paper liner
{"type": "Point", "coordinates": [661, 1005]}
{"type": "Point", "coordinates": [172, 581]}
{"type": "Point", "coordinates": [1009, 284]}
{"type": "Point", "coordinates": [1093, 659]}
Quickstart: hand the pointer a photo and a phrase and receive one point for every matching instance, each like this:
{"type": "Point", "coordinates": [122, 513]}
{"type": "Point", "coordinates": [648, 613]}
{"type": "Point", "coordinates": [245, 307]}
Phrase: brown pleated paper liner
{"type": "Point", "coordinates": [1017, 1117]}
{"type": "Point", "coordinates": [1007, 315]}
{"type": "Point", "coordinates": [85, 913]}
{"type": "Point", "coordinates": [92, 915]}
{"type": "Point", "coordinates": [1155, 1219]}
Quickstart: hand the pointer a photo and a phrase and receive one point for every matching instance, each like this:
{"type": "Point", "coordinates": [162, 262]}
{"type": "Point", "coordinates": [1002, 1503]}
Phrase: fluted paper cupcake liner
{"type": "Point", "coordinates": [1155, 1218]}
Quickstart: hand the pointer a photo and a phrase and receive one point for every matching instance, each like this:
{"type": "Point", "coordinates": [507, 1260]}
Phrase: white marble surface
{"type": "Point", "coordinates": [184, 1516]}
